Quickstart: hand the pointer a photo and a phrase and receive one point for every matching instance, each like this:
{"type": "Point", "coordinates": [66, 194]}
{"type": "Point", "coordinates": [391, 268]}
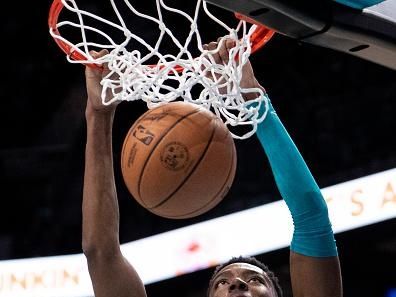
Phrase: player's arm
{"type": "Point", "coordinates": [314, 263]}
{"type": "Point", "coordinates": [110, 272]}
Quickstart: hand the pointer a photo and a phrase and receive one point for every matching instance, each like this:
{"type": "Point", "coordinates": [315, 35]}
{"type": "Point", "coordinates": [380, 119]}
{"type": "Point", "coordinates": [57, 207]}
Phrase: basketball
{"type": "Point", "coordinates": [178, 160]}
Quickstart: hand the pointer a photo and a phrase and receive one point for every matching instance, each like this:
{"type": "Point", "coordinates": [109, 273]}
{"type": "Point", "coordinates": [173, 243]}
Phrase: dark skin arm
{"type": "Point", "coordinates": [110, 272]}
{"type": "Point", "coordinates": [310, 276]}
{"type": "Point", "coordinates": [315, 277]}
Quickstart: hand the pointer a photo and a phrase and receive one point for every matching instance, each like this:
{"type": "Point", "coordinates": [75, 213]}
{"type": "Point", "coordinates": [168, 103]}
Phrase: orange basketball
{"type": "Point", "coordinates": [178, 160]}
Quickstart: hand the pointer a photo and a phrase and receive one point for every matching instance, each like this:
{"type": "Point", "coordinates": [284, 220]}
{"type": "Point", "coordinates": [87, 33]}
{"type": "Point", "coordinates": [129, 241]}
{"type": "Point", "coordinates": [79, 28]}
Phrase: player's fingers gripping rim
{"type": "Point", "coordinates": [98, 55]}
{"type": "Point", "coordinates": [213, 58]}
{"type": "Point", "coordinates": [225, 45]}
{"type": "Point", "coordinates": [213, 48]}
{"type": "Point", "coordinates": [102, 72]}
{"type": "Point", "coordinates": [229, 45]}
{"type": "Point", "coordinates": [98, 71]}
{"type": "Point", "coordinates": [219, 50]}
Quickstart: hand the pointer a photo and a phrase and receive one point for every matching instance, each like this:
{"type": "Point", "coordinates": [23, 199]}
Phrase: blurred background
{"type": "Point", "coordinates": [339, 110]}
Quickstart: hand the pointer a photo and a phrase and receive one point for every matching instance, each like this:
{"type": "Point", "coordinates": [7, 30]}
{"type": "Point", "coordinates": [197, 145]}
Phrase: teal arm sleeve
{"type": "Point", "coordinates": [313, 234]}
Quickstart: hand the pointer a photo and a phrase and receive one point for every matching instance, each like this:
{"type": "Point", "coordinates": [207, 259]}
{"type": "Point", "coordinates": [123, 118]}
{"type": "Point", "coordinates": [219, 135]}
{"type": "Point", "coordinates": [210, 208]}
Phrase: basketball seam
{"type": "Point", "coordinates": [153, 149]}
{"type": "Point", "coordinates": [210, 200]}
{"type": "Point", "coordinates": [189, 175]}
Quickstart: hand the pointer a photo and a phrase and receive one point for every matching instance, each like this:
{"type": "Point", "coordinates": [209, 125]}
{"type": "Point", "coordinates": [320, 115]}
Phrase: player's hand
{"type": "Point", "coordinates": [222, 57]}
{"type": "Point", "coordinates": [93, 77]}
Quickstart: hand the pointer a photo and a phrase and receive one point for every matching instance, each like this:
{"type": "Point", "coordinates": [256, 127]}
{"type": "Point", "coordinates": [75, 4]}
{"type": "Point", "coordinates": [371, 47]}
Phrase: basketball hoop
{"type": "Point", "coordinates": [172, 76]}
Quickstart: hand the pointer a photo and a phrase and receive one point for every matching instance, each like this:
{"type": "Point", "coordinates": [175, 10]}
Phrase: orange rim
{"type": "Point", "coordinates": [260, 36]}
{"type": "Point", "coordinates": [55, 10]}
{"type": "Point", "coordinates": [258, 39]}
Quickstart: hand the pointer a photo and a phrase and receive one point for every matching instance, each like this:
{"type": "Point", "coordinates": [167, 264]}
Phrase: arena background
{"type": "Point", "coordinates": [340, 111]}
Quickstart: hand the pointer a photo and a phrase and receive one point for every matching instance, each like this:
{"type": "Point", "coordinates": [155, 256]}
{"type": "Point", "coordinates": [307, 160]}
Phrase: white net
{"type": "Point", "coordinates": [174, 76]}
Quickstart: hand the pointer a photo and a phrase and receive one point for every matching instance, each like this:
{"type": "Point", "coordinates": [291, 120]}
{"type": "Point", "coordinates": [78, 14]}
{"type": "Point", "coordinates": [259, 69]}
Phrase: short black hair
{"type": "Point", "coordinates": [252, 261]}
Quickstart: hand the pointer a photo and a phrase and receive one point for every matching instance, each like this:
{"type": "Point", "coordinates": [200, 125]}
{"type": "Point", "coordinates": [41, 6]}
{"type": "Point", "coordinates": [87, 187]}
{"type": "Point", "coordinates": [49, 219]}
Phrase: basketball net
{"type": "Point", "coordinates": [174, 77]}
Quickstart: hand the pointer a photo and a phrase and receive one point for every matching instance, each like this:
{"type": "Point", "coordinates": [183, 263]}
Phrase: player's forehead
{"type": "Point", "coordinates": [240, 268]}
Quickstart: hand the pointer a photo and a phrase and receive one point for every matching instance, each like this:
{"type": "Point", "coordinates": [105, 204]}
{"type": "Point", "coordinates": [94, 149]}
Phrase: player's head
{"type": "Point", "coordinates": [242, 275]}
